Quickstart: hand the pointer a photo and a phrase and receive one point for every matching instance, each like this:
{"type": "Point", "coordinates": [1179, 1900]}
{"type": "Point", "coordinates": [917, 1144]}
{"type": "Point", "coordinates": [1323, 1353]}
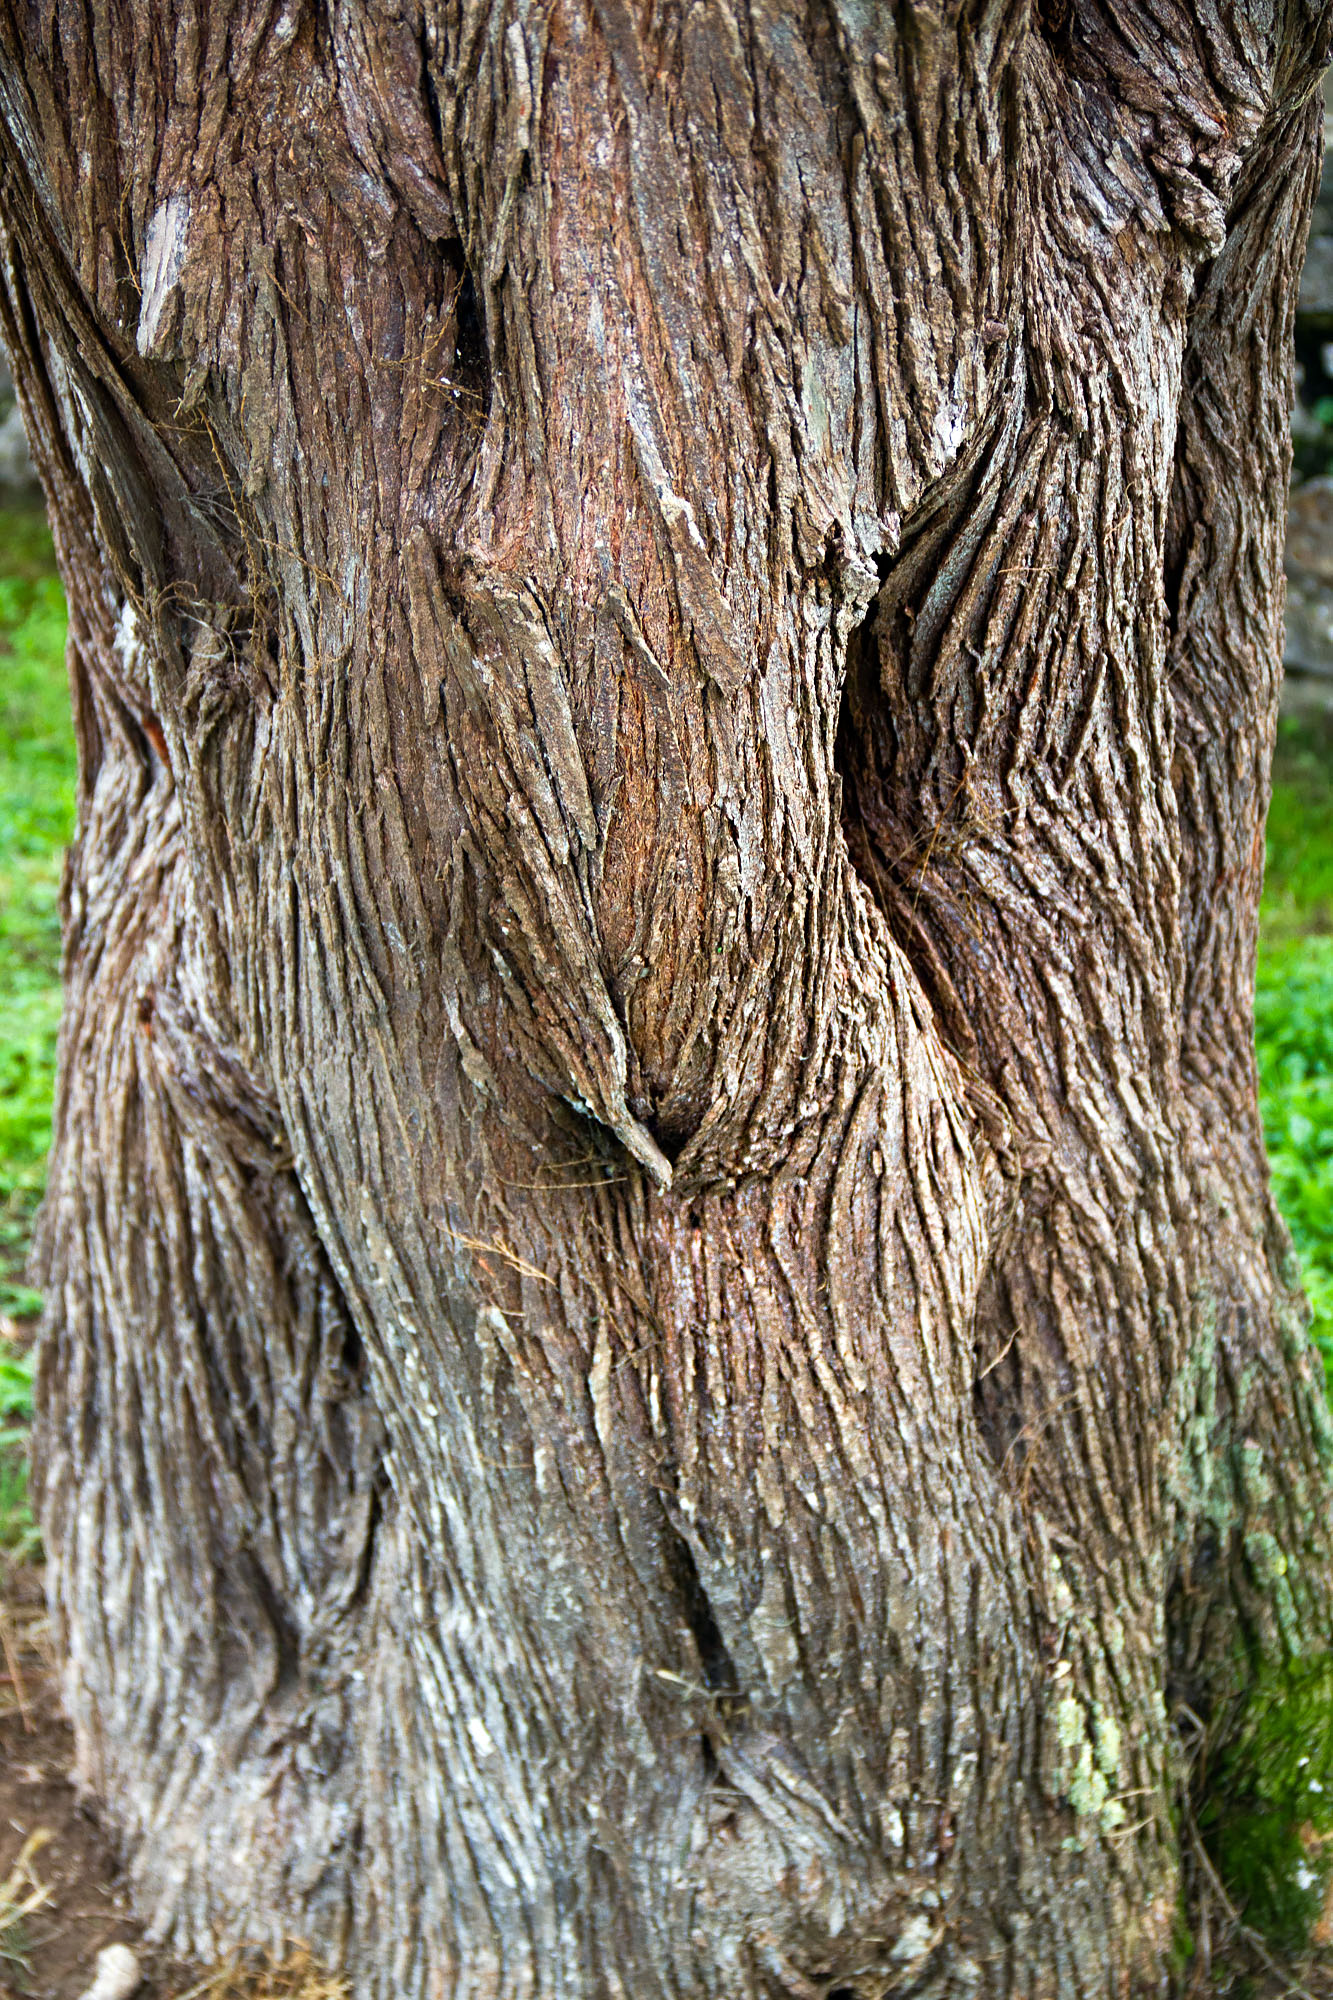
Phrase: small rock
{"type": "Point", "coordinates": [1309, 558]}
{"type": "Point", "coordinates": [118, 1974]}
{"type": "Point", "coordinates": [15, 465]}
{"type": "Point", "coordinates": [1310, 529]}
{"type": "Point", "coordinates": [1316, 294]}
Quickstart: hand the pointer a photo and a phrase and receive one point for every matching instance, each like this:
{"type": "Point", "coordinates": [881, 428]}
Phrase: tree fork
{"type": "Point", "coordinates": [667, 1361]}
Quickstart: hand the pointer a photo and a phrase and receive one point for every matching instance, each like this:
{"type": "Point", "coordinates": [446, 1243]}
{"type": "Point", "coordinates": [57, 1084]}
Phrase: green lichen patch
{"type": "Point", "coordinates": [1267, 1814]}
{"type": "Point", "coordinates": [1088, 1743]}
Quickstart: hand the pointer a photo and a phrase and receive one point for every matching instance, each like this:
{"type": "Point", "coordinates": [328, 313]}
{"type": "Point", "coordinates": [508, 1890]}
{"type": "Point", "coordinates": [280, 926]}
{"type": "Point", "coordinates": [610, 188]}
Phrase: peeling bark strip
{"type": "Point", "coordinates": [667, 1354]}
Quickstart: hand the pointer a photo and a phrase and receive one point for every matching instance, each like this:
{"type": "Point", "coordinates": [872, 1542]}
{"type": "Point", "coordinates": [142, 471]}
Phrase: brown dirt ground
{"type": "Point", "coordinates": [53, 1849]}
{"type": "Point", "coordinates": [51, 1953]}
{"type": "Point", "coordinates": [70, 1864]}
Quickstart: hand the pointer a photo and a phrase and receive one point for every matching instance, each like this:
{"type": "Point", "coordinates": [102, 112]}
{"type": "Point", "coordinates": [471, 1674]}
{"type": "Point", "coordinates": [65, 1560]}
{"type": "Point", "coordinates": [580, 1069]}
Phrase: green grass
{"type": "Point", "coordinates": [18, 1533]}
{"type": "Point", "coordinates": [1294, 1006]}
{"type": "Point", "coordinates": [1268, 1814]}
{"type": "Point", "coordinates": [37, 775]}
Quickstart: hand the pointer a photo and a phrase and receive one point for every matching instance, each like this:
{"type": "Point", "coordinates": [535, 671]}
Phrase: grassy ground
{"type": "Point", "coordinates": [1294, 1005]}
{"type": "Point", "coordinates": [36, 820]}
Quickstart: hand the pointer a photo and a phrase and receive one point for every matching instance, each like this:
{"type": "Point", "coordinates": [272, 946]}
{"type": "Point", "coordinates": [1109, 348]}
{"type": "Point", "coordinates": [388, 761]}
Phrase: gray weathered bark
{"type": "Point", "coordinates": [667, 1352]}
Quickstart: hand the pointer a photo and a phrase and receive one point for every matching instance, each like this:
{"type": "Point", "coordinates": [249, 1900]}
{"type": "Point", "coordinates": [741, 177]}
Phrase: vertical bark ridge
{"type": "Point", "coordinates": [205, 1408]}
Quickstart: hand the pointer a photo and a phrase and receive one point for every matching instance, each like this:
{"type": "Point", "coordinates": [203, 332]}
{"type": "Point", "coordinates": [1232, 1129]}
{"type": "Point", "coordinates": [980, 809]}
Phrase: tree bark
{"type": "Point", "coordinates": [668, 1363]}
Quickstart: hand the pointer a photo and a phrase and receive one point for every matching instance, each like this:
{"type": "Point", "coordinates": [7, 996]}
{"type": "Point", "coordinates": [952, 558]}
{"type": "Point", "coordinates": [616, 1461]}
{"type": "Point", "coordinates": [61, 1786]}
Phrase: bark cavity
{"type": "Point", "coordinates": [468, 374]}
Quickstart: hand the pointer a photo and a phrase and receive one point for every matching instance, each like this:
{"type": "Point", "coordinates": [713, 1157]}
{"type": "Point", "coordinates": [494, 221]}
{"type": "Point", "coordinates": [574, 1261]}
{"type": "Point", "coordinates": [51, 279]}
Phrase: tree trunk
{"type": "Point", "coordinates": [668, 1368]}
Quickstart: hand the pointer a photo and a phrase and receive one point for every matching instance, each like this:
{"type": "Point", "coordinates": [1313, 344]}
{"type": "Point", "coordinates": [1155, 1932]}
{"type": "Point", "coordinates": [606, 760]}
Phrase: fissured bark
{"type": "Point", "coordinates": [668, 1363]}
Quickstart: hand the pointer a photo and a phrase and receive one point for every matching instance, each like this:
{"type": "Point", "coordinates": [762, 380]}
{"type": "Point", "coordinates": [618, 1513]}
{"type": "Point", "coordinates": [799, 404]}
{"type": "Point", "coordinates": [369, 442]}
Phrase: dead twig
{"type": "Point", "coordinates": [14, 1675]}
